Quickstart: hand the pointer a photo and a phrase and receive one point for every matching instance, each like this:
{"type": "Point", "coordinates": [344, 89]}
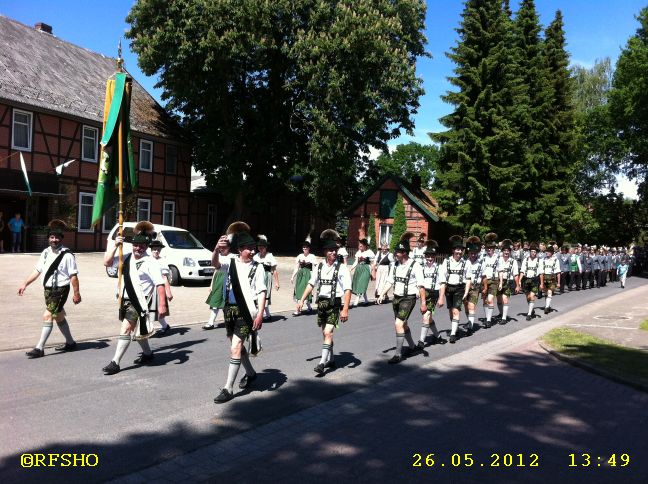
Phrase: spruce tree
{"type": "Point", "coordinates": [477, 166]}
{"type": "Point", "coordinates": [372, 232]}
{"type": "Point", "coordinates": [560, 212]}
{"type": "Point", "coordinates": [400, 223]}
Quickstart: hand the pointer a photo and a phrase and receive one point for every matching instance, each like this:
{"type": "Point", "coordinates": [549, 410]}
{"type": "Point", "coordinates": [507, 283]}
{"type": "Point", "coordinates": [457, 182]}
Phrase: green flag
{"type": "Point", "coordinates": [116, 116]}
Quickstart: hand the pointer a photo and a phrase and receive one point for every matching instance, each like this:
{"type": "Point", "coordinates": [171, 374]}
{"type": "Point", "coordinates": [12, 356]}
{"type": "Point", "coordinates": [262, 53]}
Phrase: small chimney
{"type": "Point", "coordinates": [43, 27]}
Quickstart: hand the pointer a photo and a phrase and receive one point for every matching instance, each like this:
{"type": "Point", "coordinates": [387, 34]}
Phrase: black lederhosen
{"type": "Point", "coordinates": [454, 295]}
{"type": "Point", "coordinates": [55, 298]}
{"type": "Point", "coordinates": [403, 306]}
{"type": "Point", "coordinates": [234, 322]}
{"type": "Point", "coordinates": [492, 286]}
{"type": "Point", "coordinates": [531, 285]}
{"type": "Point", "coordinates": [550, 282]}
{"type": "Point", "coordinates": [328, 313]}
{"type": "Point", "coordinates": [508, 289]}
{"type": "Point", "coordinates": [431, 298]}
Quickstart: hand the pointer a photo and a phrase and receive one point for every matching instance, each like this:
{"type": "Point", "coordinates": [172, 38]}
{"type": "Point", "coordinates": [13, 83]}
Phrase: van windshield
{"type": "Point", "coordinates": [181, 239]}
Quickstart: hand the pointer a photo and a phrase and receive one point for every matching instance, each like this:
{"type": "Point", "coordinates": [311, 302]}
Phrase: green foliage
{"type": "Point", "coordinates": [284, 90]}
{"type": "Point", "coordinates": [406, 161]}
{"type": "Point", "coordinates": [628, 102]}
{"type": "Point", "coordinates": [372, 232]}
{"type": "Point", "coordinates": [400, 223]}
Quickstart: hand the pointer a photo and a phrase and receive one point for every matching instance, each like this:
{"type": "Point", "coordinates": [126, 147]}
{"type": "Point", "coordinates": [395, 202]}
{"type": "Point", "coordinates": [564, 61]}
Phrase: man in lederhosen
{"type": "Point", "coordinates": [489, 278]}
{"type": "Point", "coordinates": [549, 275]}
{"type": "Point", "coordinates": [454, 277]}
{"type": "Point", "coordinates": [473, 246]}
{"type": "Point", "coordinates": [407, 279]}
{"type": "Point", "coordinates": [143, 297]}
{"type": "Point", "coordinates": [432, 286]}
{"type": "Point", "coordinates": [333, 280]}
{"type": "Point", "coordinates": [509, 279]}
{"type": "Point", "coordinates": [58, 269]}
{"type": "Point", "coordinates": [245, 297]}
{"type": "Point", "coordinates": [530, 271]}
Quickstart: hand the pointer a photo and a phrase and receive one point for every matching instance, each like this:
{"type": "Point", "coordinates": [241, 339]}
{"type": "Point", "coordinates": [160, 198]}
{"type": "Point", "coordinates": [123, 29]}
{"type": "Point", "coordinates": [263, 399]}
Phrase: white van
{"type": "Point", "coordinates": [185, 255]}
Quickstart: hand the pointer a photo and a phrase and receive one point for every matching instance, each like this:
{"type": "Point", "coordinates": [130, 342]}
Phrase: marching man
{"type": "Point", "coordinates": [432, 286]}
{"type": "Point", "coordinates": [454, 278]}
{"type": "Point", "coordinates": [407, 279]}
{"type": "Point", "coordinates": [489, 277]}
{"type": "Point", "coordinates": [530, 270]}
{"type": "Point", "coordinates": [245, 298]}
{"type": "Point", "coordinates": [333, 281]}
{"type": "Point", "coordinates": [143, 296]}
{"type": "Point", "coordinates": [549, 275]}
{"type": "Point", "coordinates": [509, 280]}
{"type": "Point", "coordinates": [58, 269]}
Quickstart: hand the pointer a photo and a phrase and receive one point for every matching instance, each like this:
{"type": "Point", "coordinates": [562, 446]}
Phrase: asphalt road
{"type": "Point", "coordinates": [142, 416]}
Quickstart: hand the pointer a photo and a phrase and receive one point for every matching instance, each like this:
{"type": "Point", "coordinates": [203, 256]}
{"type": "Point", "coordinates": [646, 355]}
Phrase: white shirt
{"type": "Point", "coordinates": [366, 255]}
{"type": "Point", "coordinates": [164, 266]}
{"type": "Point", "coordinates": [149, 272]}
{"type": "Point", "coordinates": [257, 283]}
{"type": "Point", "coordinates": [530, 267]}
{"type": "Point", "coordinates": [550, 265]}
{"type": "Point", "coordinates": [455, 272]}
{"type": "Point", "coordinates": [325, 276]}
{"type": "Point", "coordinates": [418, 254]}
{"type": "Point", "coordinates": [66, 268]}
{"type": "Point", "coordinates": [508, 267]}
{"type": "Point", "coordinates": [398, 278]}
{"type": "Point", "coordinates": [268, 260]}
{"type": "Point", "coordinates": [489, 267]}
{"type": "Point", "coordinates": [431, 276]}
{"type": "Point", "coordinates": [310, 259]}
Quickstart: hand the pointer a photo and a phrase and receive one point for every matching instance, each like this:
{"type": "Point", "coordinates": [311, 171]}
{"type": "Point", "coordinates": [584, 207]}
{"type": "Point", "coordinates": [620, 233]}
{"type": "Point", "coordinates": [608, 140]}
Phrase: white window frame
{"type": "Point", "coordinates": [150, 150]}
{"type": "Point", "coordinates": [148, 209]}
{"type": "Point", "coordinates": [165, 204]}
{"type": "Point", "coordinates": [212, 213]}
{"type": "Point", "coordinates": [29, 132]}
{"type": "Point", "coordinates": [387, 230]}
{"type": "Point", "coordinates": [95, 141]}
{"type": "Point", "coordinates": [81, 205]}
{"type": "Point", "coordinates": [106, 229]}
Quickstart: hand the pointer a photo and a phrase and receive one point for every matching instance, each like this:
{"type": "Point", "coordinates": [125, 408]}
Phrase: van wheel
{"type": "Point", "coordinates": [175, 276]}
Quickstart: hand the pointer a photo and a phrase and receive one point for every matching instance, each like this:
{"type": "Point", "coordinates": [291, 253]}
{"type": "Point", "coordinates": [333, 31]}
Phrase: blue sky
{"type": "Point", "coordinates": [594, 29]}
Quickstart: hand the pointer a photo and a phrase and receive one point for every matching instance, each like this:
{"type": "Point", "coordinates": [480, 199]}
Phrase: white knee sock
{"type": "Point", "coordinates": [163, 323]}
{"type": "Point", "coordinates": [548, 302]}
{"type": "Point", "coordinates": [505, 311]}
{"type": "Point", "coordinates": [122, 344]}
{"type": "Point", "coordinates": [408, 337]}
{"type": "Point", "coordinates": [424, 332]}
{"type": "Point", "coordinates": [146, 348]}
{"type": "Point", "coordinates": [45, 333]}
{"type": "Point", "coordinates": [326, 353]}
{"type": "Point", "coordinates": [266, 311]}
{"type": "Point", "coordinates": [489, 313]}
{"type": "Point", "coordinates": [455, 326]}
{"type": "Point", "coordinates": [64, 327]}
{"type": "Point", "coordinates": [400, 339]}
{"type": "Point", "coordinates": [212, 316]}
{"type": "Point", "coordinates": [471, 319]}
{"type": "Point", "coordinates": [234, 366]}
{"type": "Point", "coordinates": [531, 303]}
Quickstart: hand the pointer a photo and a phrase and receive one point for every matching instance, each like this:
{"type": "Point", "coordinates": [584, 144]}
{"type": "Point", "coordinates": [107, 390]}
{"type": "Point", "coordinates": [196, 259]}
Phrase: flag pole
{"type": "Point", "coordinates": [120, 68]}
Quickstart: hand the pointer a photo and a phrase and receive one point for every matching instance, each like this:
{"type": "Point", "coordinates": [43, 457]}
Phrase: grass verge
{"type": "Point", "coordinates": [644, 325]}
{"type": "Point", "coordinates": [627, 363]}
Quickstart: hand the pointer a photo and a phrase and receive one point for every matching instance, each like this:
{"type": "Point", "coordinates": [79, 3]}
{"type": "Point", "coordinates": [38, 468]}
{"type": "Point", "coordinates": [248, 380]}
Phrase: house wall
{"type": "Point", "coordinates": [57, 138]}
{"type": "Point", "coordinates": [358, 222]}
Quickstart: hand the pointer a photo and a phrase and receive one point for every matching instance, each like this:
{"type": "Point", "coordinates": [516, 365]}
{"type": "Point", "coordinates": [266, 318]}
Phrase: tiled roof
{"type": "Point", "coordinates": [40, 70]}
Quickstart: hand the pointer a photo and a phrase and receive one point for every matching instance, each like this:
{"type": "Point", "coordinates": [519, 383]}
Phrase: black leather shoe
{"type": "Point", "coordinates": [504, 321]}
{"type": "Point", "coordinates": [246, 381]}
{"type": "Point", "coordinates": [438, 340]}
{"type": "Point", "coordinates": [66, 347]}
{"type": "Point", "coordinates": [208, 326]}
{"type": "Point", "coordinates": [111, 368]}
{"type": "Point", "coordinates": [529, 317]}
{"type": "Point", "coordinates": [395, 359]}
{"type": "Point", "coordinates": [35, 353]}
{"type": "Point", "coordinates": [487, 324]}
{"type": "Point", "coordinates": [144, 359]}
{"type": "Point", "coordinates": [453, 339]}
{"type": "Point", "coordinates": [319, 369]}
{"type": "Point", "coordinates": [224, 396]}
{"type": "Point", "coordinates": [331, 364]}
{"type": "Point", "coordinates": [469, 331]}
{"type": "Point", "coordinates": [420, 345]}
{"type": "Point", "coordinates": [547, 310]}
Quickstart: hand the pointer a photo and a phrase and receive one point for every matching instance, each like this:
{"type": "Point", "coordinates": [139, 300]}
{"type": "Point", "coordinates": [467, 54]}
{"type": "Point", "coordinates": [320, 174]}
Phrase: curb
{"type": "Point", "coordinates": [592, 369]}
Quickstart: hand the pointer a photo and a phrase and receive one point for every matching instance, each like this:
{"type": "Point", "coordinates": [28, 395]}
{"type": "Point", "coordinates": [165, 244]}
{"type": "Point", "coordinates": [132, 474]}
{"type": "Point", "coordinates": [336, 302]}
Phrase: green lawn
{"type": "Point", "coordinates": [644, 325]}
{"type": "Point", "coordinates": [628, 363]}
